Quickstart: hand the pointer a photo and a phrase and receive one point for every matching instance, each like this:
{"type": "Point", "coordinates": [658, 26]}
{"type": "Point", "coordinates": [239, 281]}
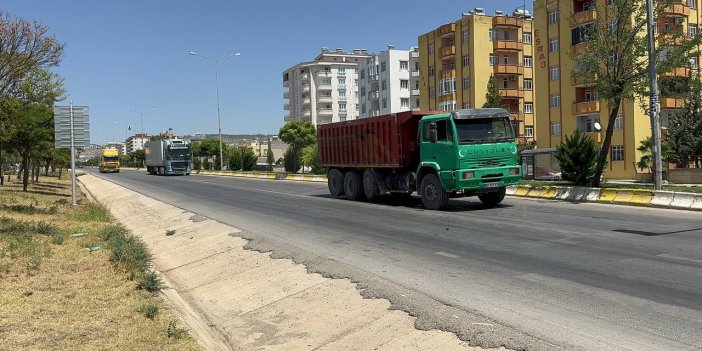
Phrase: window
{"type": "Point", "coordinates": [555, 128]}
{"type": "Point", "coordinates": [492, 34]}
{"type": "Point", "coordinates": [341, 71]}
{"type": "Point", "coordinates": [404, 65]}
{"type": "Point", "coordinates": [342, 95]}
{"type": "Point", "coordinates": [529, 131]}
{"type": "Point", "coordinates": [385, 103]}
{"type": "Point", "coordinates": [555, 100]}
{"type": "Point", "coordinates": [355, 94]}
{"type": "Point", "coordinates": [466, 105]}
{"type": "Point", "coordinates": [383, 66]}
{"type": "Point", "coordinates": [617, 153]}
{"type": "Point", "coordinates": [404, 84]}
{"type": "Point", "coordinates": [694, 62]}
{"type": "Point", "coordinates": [342, 82]}
{"type": "Point", "coordinates": [465, 61]}
{"type": "Point", "coordinates": [325, 82]}
{"type": "Point", "coordinates": [618, 122]}
{"type": "Point", "coordinates": [466, 84]}
{"type": "Point", "coordinates": [356, 107]}
{"type": "Point", "coordinates": [466, 36]}
{"type": "Point", "coordinates": [528, 84]}
{"type": "Point", "coordinates": [432, 92]}
{"type": "Point", "coordinates": [527, 61]}
{"type": "Point", "coordinates": [493, 59]}
{"type": "Point", "coordinates": [555, 73]}
{"type": "Point", "coordinates": [692, 4]}
{"type": "Point", "coordinates": [526, 37]}
{"type": "Point", "coordinates": [363, 108]}
{"type": "Point", "coordinates": [528, 107]}
{"type": "Point", "coordinates": [691, 30]}
{"type": "Point", "coordinates": [404, 102]}
{"type": "Point", "coordinates": [416, 103]}
{"type": "Point", "coordinates": [342, 107]}
{"type": "Point", "coordinates": [447, 86]}
{"type": "Point", "coordinates": [553, 44]}
{"type": "Point", "coordinates": [553, 17]}
{"type": "Point", "coordinates": [447, 105]}
{"type": "Point", "coordinates": [383, 85]}
{"type": "Point", "coordinates": [431, 71]}
{"type": "Point", "coordinates": [363, 91]}
{"type": "Point", "coordinates": [355, 82]}
{"type": "Point", "coordinates": [431, 48]}
{"type": "Point", "coordinates": [363, 74]}
{"type": "Point", "coordinates": [443, 131]}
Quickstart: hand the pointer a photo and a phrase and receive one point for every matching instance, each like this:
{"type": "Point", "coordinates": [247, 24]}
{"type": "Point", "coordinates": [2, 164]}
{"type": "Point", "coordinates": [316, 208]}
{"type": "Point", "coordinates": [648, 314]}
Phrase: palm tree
{"type": "Point", "coordinates": [646, 148]}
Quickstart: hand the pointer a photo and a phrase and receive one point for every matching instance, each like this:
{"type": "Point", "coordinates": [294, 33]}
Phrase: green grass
{"type": "Point", "coordinates": [148, 310]}
{"type": "Point", "coordinates": [151, 282]}
{"type": "Point", "coordinates": [93, 212]}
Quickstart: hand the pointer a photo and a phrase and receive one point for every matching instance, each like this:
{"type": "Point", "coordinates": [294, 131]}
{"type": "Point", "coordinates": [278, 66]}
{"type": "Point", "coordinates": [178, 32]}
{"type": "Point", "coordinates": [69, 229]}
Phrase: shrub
{"type": "Point", "coordinates": [149, 310]}
{"type": "Point", "coordinates": [151, 282]}
{"type": "Point", "coordinates": [45, 228]}
{"type": "Point", "coordinates": [577, 157]}
{"type": "Point", "coordinates": [129, 253]}
{"type": "Point", "coordinates": [170, 232]}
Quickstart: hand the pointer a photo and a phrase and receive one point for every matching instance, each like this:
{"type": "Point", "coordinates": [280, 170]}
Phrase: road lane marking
{"type": "Point", "coordinates": [680, 258]}
{"type": "Point", "coordinates": [445, 254]}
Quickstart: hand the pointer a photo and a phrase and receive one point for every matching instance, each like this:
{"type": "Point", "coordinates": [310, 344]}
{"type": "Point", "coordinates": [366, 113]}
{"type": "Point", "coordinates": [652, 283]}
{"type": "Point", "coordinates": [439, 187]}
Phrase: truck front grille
{"type": "Point", "coordinates": [179, 166]}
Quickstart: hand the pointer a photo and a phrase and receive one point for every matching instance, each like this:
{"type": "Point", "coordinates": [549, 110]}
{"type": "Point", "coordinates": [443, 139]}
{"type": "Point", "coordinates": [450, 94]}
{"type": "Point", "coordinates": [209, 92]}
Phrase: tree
{"type": "Point", "coordinates": [577, 157]}
{"type": "Point", "coordinates": [235, 160]}
{"type": "Point", "coordinates": [524, 145]}
{"type": "Point", "coordinates": [248, 158]}
{"type": "Point", "coordinates": [685, 128]}
{"type": "Point", "coordinates": [270, 158]}
{"type": "Point", "coordinates": [493, 97]}
{"type": "Point", "coordinates": [297, 135]}
{"type": "Point", "coordinates": [34, 124]}
{"type": "Point", "coordinates": [138, 157]}
{"type": "Point", "coordinates": [310, 157]}
{"type": "Point", "coordinates": [291, 161]}
{"type": "Point", "coordinates": [646, 150]}
{"type": "Point", "coordinates": [616, 60]}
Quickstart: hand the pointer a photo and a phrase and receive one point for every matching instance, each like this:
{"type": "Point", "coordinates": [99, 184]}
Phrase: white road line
{"type": "Point", "coordinates": [441, 253]}
{"type": "Point", "coordinates": [680, 258]}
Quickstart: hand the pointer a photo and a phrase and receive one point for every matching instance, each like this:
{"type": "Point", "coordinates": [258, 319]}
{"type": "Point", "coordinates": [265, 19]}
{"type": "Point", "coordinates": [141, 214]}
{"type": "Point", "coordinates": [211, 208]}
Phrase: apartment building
{"type": "Point", "coordinates": [386, 84]}
{"type": "Point", "coordinates": [136, 142]}
{"type": "Point", "coordinates": [457, 59]}
{"type": "Point", "coordinates": [566, 105]}
{"type": "Point", "coordinates": [324, 90]}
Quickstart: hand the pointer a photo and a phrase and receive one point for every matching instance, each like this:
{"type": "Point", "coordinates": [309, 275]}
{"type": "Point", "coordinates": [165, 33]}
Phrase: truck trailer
{"type": "Point", "coordinates": [439, 155]}
{"type": "Point", "coordinates": [109, 161]}
{"type": "Point", "coordinates": [168, 157]}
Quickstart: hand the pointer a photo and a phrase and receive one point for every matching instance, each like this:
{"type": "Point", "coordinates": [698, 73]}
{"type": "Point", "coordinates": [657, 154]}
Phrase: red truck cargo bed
{"type": "Point", "coordinates": [388, 141]}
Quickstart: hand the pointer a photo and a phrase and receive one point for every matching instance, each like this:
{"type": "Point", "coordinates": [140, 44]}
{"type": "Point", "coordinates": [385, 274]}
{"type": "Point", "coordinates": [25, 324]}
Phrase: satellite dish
{"type": "Point", "coordinates": [598, 127]}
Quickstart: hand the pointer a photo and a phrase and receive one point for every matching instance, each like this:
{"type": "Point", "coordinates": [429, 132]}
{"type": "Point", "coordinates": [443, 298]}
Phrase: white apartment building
{"type": "Point", "coordinates": [389, 82]}
{"type": "Point", "coordinates": [136, 142]}
{"type": "Point", "coordinates": [324, 90]}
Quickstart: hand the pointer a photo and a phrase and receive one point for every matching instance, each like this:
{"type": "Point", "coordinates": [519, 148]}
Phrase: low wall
{"type": "Point", "coordinates": [685, 176]}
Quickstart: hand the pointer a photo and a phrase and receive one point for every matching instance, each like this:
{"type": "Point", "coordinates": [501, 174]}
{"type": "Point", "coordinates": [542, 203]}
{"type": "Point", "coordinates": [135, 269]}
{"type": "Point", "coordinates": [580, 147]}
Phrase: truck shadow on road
{"type": "Point", "coordinates": [415, 203]}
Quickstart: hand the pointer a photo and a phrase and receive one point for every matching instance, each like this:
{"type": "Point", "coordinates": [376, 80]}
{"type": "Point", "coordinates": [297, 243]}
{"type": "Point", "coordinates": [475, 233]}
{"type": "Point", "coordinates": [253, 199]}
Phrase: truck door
{"type": "Point", "coordinates": [438, 144]}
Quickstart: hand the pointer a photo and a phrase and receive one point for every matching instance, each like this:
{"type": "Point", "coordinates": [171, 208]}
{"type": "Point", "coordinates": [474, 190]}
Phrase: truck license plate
{"type": "Point", "coordinates": [492, 185]}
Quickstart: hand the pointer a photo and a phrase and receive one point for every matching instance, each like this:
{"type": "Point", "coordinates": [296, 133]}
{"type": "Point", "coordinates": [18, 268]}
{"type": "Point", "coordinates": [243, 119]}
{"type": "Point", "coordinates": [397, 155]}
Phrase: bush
{"type": "Point", "coordinates": [291, 160]}
{"type": "Point", "coordinates": [149, 310]}
{"type": "Point", "coordinates": [170, 232]}
{"type": "Point", "coordinates": [129, 253]}
{"type": "Point", "coordinates": [151, 282]}
{"type": "Point", "coordinates": [310, 157]}
{"type": "Point", "coordinates": [113, 231]}
{"type": "Point", "coordinates": [577, 157]}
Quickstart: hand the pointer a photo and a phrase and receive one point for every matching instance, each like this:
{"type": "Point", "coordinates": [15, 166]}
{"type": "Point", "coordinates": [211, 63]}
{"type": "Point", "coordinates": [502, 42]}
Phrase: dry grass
{"type": "Point", "coordinates": [74, 299]}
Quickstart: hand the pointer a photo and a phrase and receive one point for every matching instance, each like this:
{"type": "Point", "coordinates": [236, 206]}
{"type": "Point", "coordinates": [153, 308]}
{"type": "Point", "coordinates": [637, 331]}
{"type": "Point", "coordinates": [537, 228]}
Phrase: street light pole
{"type": "Point", "coordinates": [141, 117]}
{"type": "Point", "coordinates": [219, 119]}
{"type": "Point", "coordinates": [653, 80]}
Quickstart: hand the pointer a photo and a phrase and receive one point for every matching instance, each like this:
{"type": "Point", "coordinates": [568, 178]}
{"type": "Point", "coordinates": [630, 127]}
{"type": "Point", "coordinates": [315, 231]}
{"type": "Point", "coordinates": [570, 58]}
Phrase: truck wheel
{"type": "Point", "coordinates": [370, 185]}
{"type": "Point", "coordinates": [494, 198]}
{"type": "Point", "coordinates": [353, 186]}
{"type": "Point", "coordinates": [335, 182]}
{"type": "Point", "coordinates": [434, 197]}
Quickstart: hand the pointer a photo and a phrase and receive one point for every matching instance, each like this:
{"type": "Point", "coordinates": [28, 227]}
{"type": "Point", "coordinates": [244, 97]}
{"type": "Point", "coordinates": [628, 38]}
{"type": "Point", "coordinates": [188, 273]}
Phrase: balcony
{"type": "Point", "coordinates": [286, 107]}
{"type": "Point", "coordinates": [325, 99]}
{"type": "Point", "coordinates": [448, 73]}
{"type": "Point", "coordinates": [512, 93]}
{"type": "Point", "coordinates": [286, 84]}
{"type": "Point", "coordinates": [415, 92]}
{"type": "Point", "coordinates": [586, 107]}
{"type": "Point", "coordinates": [342, 98]}
{"type": "Point", "coordinates": [678, 72]}
{"type": "Point", "coordinates": [325, 112]}
{"type": "Point", "coordinates": [584, 17]}
{"type": "Point", "coordinates": [324, 86]}
{"type": "Point", "coordinates": [304, 76]}
{"type": "Point", "coordinates": [374, 95]}
{"type": "Point", "coordinates": [510, 69]}
{"type": "Point", "coordinates": [507, 45]}
{"type": "Point", "coordinates": [414, 54]}
{"type": "Point", "coordinates": [447, 52]}
{"type": "Point", "coordinates": [667, 103]}
{"type": "Point", "coordinates": [414, 73]}
{"type": "Point", "coordinates": [306, 113]}
{"type": "Point", "coordinates": [286, 95]}
{"type": "Point", "coordinates": [306, 101]}
{"type": "Point", "coordinates": [373, 77]}
{"type": "Point", "coordinates": [324, 74]}
{"type": "Point", "coordinates": [504, 21]}
{"type": "Point", "coordinates": [595, 136]}
{"type": "Point", "coordinates": [677, 9]}
{"type": "Point", "coordinates": [446, 30]}
{"type": "Point", "coordinates": [516, 116]}
{"type": "Point", "coordinates": [581, 48]}
{"type": "Point", "coordinates": [305, 88]}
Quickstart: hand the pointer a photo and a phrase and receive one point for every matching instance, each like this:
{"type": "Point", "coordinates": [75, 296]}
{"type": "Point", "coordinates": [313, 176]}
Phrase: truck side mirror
{"type": "Point", "coordinates": [432, 133]}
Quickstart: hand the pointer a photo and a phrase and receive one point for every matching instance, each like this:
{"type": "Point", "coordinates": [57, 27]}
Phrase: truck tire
{"type": "Point", "coordinates": [370, 185]}
{"type": "Point", "coordinates": [335, 182]}
{"type": "Point", "coordinates": [434, 197]}
{"type": "Point", "coordinates": [353, 186]}
{"type": "Point", "coordinates": [494, 198]}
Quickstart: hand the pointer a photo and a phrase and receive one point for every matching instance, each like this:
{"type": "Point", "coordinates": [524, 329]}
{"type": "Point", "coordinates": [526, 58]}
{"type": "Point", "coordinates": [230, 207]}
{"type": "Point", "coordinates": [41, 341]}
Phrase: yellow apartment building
{"type": "Point", "coordinates": [457, 59]}
{"type": "Point", "coordinates": [566, 105]}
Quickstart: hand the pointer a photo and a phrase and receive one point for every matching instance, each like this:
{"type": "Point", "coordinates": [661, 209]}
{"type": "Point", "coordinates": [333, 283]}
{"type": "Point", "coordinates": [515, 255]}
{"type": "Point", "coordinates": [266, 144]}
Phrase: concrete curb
{"type": "Point", "coordinates": [629, 197]}
{"type": "Point", "coordinates": [268, 175]}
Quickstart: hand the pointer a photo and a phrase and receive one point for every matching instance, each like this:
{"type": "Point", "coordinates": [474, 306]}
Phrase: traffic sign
{"type": "Point", "coordinates": [62, 127]}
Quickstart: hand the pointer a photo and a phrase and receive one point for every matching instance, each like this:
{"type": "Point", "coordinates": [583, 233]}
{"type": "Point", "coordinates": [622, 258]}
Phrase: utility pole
{"type": "Point", "coordinates": [654, 110]}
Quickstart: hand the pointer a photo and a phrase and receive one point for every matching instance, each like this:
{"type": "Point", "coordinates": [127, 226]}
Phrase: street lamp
{"type": "Point", "coordinates": [141, 116]}
{"type": "Point", "coordinates": [219, 120]}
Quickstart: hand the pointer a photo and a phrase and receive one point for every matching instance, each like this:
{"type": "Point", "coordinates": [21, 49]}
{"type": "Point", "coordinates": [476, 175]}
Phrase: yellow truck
{"type": "Point", "coordinates": [109, 161]}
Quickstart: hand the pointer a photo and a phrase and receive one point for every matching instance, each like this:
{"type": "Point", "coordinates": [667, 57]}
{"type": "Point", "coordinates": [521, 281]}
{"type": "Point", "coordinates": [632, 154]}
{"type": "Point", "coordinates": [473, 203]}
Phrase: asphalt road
{"type": "Point", "coordinates": [581, 276]}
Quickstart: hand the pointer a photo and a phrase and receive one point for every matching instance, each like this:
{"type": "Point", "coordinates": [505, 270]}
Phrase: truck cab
{"type": "Point", "coordinates": [464, 153]}
{"type": "Point", "coordinates": [109, 161]}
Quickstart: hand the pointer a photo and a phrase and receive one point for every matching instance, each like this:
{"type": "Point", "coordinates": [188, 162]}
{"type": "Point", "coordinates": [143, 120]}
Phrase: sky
{"type": "Point", "coordinates": [133, 54]}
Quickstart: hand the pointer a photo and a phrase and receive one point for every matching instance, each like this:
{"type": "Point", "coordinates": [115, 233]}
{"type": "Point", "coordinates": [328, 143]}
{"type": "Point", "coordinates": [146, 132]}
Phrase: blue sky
{"type": "Point", "coordinates": [133, 54]}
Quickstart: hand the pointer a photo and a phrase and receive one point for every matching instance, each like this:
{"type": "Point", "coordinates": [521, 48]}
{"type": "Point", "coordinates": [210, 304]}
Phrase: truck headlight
{"type": "Point", "coordinates": [514, 171]}
{"type": "Point", "coordinates": [468, 175]}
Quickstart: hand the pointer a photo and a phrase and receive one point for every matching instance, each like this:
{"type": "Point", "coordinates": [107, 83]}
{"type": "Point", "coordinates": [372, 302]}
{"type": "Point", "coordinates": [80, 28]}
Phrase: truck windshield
{"type": "Point", "coordinates": [179, 154]}
{"type": "Point", "coordinates": [110, 159]}
{"type": "Point", "coordinates": [484, 130]}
